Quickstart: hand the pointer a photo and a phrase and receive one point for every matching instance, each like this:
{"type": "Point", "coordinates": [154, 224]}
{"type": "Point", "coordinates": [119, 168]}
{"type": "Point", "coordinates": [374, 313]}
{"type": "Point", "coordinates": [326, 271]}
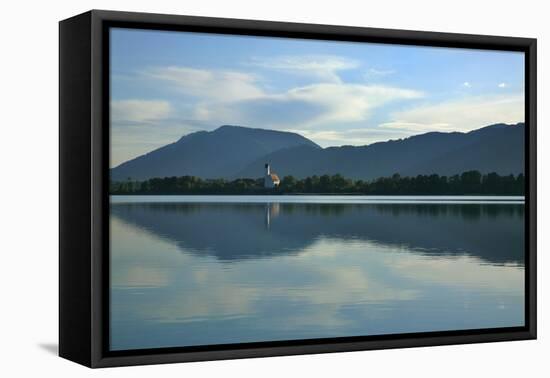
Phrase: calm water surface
{"type": "Point", "coordinates": [197, 270]}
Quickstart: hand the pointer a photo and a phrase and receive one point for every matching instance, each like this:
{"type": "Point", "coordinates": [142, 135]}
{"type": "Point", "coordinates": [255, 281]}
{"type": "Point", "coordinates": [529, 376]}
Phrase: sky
{"type": "Point", "coordinates": [165, 85]}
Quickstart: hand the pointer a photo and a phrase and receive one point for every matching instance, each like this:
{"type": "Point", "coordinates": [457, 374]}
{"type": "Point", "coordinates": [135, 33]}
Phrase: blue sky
{"type": "Point", "coordinates": [167, 84]}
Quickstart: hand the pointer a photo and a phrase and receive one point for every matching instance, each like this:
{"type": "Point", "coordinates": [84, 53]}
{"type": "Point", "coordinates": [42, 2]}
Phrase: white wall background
{"type": "Point", "coordinates": [29, 185]}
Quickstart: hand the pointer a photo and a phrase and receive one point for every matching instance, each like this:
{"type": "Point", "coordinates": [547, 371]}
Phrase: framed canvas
{"type": "Point", "coordinates": [235, 188]}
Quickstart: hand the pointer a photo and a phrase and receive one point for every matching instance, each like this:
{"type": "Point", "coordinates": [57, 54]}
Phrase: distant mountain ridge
{"type": "Point", "coordinates": [239, 152]}
{"type": "Point", "coordinates": [210, 154]}
{"type": "Point", "coordinates": [496, 148]}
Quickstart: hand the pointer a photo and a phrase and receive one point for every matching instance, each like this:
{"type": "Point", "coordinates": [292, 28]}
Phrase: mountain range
{"type": "Point", "coordinates": [232, 152]}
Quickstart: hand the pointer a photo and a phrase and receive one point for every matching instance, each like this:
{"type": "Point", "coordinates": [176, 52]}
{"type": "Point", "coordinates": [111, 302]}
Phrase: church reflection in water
{"type": "Point", "coordinates": [271, 210]}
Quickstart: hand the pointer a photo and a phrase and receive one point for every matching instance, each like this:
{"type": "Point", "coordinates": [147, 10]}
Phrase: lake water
{"type": "Point", "coordinates": [198, 270]}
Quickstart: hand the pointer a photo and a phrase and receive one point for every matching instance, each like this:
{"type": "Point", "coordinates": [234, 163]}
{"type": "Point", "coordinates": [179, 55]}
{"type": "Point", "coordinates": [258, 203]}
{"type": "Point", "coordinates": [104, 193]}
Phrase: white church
{"type": "Point", "coordinates": [271, 180]}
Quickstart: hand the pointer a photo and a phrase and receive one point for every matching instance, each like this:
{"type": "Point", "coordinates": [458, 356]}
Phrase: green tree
{"type": "Point", "coordinates": [288, 184]}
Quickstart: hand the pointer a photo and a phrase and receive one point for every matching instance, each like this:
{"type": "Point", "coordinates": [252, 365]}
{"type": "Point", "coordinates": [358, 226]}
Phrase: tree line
{"type": "Point", "coordinates": [467, 183]}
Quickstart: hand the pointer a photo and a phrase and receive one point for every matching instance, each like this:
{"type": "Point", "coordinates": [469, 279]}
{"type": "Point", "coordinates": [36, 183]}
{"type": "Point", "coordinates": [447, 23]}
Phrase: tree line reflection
{"type": "Point", "coordinates": [236, 231]}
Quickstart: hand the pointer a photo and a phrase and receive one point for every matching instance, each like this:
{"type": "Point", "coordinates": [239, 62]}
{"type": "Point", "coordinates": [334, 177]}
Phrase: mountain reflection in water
{"type": "Point", "coordinates": [185, 274]}
{"type": "Point", "coordinates": [240, 231]}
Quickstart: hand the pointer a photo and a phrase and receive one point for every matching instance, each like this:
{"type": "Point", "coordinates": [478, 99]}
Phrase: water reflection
{"type": "Point", "coordinates": [210, 273]}
{"type": "Point", "coordinates": [236, 231]}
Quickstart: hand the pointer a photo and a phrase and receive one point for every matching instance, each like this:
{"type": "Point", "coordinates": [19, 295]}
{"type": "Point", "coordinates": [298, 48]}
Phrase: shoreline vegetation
{"type": "Point", "coordinates": [467, 183]}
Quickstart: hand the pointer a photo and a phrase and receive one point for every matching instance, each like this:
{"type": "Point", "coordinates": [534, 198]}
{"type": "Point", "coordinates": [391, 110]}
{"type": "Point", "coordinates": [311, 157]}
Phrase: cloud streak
{"type": "Point", "coordinates": [460, 115]}
{"type": "Point", "coordinates": [355, 137]}
{"type": "Point", "coordinates": [139, 111]}
{"type": "Point", "coordinates": [321, 67]}
{"type": "Point", "coordinates": [208, 84]}
{"type": "Point", "coordinates": [377, 73]}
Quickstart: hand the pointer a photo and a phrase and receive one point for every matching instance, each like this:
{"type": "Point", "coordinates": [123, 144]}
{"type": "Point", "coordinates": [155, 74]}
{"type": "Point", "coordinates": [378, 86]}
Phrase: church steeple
{"type": "Point", "coordinates": [271, 180]}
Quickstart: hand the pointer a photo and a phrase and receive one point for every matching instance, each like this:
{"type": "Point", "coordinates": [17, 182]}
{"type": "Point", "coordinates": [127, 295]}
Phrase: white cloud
{"type": "Point", "coordinates": [224, 96]}
{"type": "Point", "coordinates": [503, 85]}
{"type": "Point", "coordinates": [139, 111]}
{"type": "Point", "coordinates": [467, 84]}
{"type": "Point", "coordinates": [460, 115]}
{"type": "Point", "coordinates": [209, 84]}
{"type": "Point", "coordinates": [308, 106]}
{"type": "Point", "coordinates": [356, 137]}
{"type": "Point", "coordinates": [322, 67]}
{"type": "Point", "coordinates": [417, 126]}
{"type": "Point", "coordinates": [349, 102]}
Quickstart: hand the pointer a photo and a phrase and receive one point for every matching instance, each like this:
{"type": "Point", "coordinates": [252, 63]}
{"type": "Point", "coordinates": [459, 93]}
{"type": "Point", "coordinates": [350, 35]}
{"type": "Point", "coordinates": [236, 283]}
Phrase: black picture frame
{"type": "Point", "coordinates": [84, 200]}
